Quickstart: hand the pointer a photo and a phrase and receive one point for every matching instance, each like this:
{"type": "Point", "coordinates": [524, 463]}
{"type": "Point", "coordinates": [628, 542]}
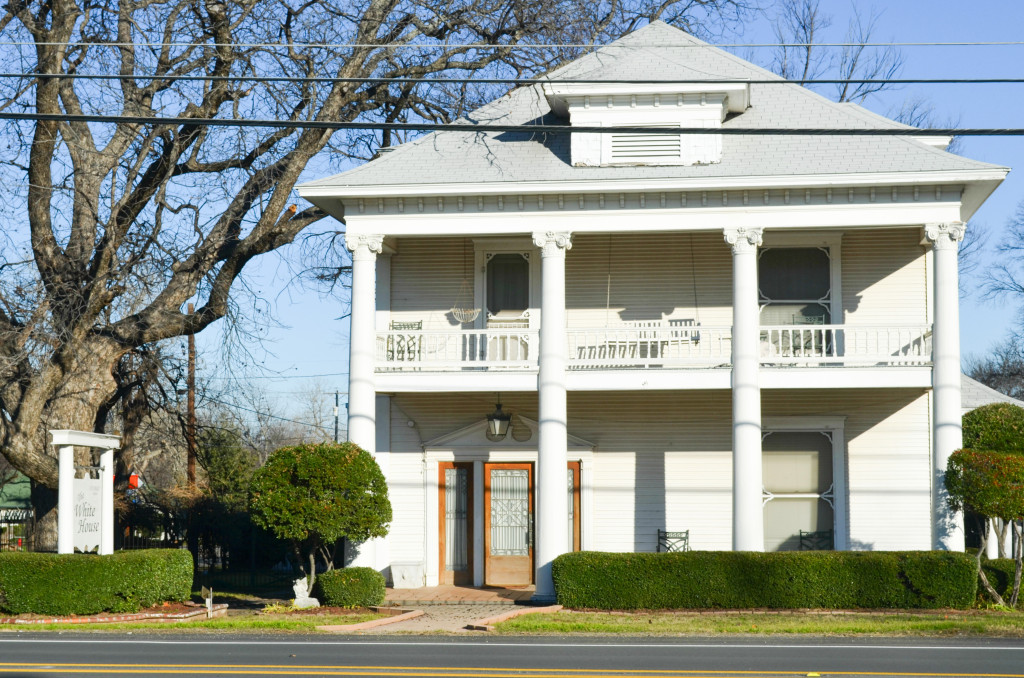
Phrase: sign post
{"type": "Point", "coordinates": [85, 506]}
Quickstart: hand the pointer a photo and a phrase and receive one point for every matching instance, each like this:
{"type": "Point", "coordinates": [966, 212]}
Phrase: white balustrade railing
{"type": "Point", "coordinates": [655, 346]}
{"type": "Point", "coordinates": [506, 349]}
{"type": "Point", "coordinates": [649, 346]}
{"type": "Point", "coordinates": [846, 345]}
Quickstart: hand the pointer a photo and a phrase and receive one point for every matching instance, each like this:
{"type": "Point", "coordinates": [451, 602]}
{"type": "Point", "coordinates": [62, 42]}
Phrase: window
{"type": "Point", "coordinates": [508, 284]}
{"type": "Point", "coordinates": [799, 490]}
{"type": "Point", "coordinates": [795, 286]}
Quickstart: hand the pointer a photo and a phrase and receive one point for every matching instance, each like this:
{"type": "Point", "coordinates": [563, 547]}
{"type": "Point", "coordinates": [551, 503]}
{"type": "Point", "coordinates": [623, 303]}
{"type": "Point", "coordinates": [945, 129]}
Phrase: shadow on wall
{"type": "Point", "coordinates": [648, 500]}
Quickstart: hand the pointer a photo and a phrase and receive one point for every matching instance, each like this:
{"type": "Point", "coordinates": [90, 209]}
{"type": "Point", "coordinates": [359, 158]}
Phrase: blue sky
{"type": "Point", "coordinates": [311, 341]}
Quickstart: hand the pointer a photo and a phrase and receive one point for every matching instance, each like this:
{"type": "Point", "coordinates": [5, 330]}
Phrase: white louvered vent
{"type": "Point", "coordinates": [646, 148]}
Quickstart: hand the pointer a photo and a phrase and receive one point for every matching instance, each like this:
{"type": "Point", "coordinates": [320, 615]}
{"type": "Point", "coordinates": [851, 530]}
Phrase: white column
{"type": "Point", "coordinates": [106, 502]}
{"type": "Point", "coordinates": [552, 531]}
{"type": "Point", "coordinates": [947, 436]}
{"type": "Point", "coordinates": [362, 392]}
{"type": "Point", "coordinates": [747, 517]}
{"type": "Point", "coordinates": [65, 499]}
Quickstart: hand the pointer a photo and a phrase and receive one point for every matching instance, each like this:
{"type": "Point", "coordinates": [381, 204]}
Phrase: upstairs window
{"type": "Point", "coordinates": [508, 285]}
{"type": "Point", "coordinates": [795, 286]}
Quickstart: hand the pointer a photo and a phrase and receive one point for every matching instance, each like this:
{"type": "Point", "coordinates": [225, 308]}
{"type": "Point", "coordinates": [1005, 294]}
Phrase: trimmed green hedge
{"type": "Point", "coordinates": [729, 580]}
{"type": "Point", "coordinates": [127, 581]}
{"type": "Point", "coordinates": [1000, 573]}
{"type": "Point", "coordinates": [996, 426]}
{"type": "Point", "coordinates": [350, 587]}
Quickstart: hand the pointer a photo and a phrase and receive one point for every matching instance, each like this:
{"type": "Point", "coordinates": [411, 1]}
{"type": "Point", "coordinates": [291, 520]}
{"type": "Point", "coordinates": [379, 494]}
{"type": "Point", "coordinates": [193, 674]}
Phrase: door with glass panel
{"type": "Point", "coordinates": [798, 491]}
{"type": "Point", "coordinates": [508, 524]}
{"type": "Point", "coordinates": [456, 517]}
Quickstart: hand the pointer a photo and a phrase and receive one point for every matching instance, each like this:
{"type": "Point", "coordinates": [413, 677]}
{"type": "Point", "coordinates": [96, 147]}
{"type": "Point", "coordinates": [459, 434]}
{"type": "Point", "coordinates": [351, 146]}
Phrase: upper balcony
{"type": "Point", "coordinates": [609, 354]}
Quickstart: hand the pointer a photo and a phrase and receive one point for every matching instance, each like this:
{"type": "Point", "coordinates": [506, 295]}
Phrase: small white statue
{"type": "Point", "coordinates": [302, 599]}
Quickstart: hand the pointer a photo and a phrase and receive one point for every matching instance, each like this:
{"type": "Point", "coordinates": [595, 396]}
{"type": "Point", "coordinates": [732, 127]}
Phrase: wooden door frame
{"type": "Point", "coordinates": [488, 467]}
{"type": "Point", "coordinates": [577, 504]}
{"type": "Point", "coordinates": [446, 576]}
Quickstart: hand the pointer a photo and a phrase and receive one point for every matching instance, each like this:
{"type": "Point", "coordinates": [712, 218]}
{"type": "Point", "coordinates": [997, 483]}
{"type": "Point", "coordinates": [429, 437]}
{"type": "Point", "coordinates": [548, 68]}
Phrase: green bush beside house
{"type": "Point", "coordinates": [350, 587]}
{"type": "Point", "coordinates": [127, 581]}
{"type": "Point", "coordinates": [745, 580]}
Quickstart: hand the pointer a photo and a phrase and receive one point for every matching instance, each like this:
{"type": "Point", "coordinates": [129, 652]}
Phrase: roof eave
{"type": "Point", "coordinates": [981, 183]}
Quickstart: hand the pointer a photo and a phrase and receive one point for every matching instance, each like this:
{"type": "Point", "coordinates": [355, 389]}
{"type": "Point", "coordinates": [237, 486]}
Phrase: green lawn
{"type": "Point", "coordinates": [949, 623]}
{"type": "Point", "coordinates": [251, 622]}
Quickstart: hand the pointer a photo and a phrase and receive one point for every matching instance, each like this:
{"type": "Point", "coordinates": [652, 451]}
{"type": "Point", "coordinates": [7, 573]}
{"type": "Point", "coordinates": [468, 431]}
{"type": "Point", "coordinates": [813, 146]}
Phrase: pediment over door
{"type": "Point", "coordinates": [522, 435]}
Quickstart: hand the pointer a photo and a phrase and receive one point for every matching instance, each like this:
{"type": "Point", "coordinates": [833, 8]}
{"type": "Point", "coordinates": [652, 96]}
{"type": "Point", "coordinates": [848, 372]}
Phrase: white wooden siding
{"type": "Point", "coordinates": [884, 278]}
{"type": "Point", "coordinates": [627, 277]}
{"type": "Point", "coordinates": [426, 274]}
{"type": "Point", "coordinates": [663, 460]}
{"type": "Point", "coordinates": [406, 490]}
{"type": "Point", "coordinates": [611, 279]}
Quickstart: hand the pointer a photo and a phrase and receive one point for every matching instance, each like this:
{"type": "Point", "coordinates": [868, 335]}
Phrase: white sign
{"type": "Point", "coordinates": [88, 522]}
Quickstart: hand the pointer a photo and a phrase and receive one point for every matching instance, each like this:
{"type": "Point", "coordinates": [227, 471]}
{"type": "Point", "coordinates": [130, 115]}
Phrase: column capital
{"type": "Point", "coordinates": [367, 245]}
{"type": "Point", "coordinates": [945, 236]}
{"type": "Point", "coordinates": [743, 239]}
{"type": "Point", "coordinates": [552, 242]}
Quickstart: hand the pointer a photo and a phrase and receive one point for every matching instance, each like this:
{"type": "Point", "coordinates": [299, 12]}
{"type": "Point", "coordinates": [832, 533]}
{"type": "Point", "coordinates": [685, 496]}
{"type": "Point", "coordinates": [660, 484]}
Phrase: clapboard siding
{"type": "Point", "coordinates": [405, 489]}
{"type": "Point", "coordinates": [616, 278]}
{"type": "Point", "coordinates": [426, 275]}
{"type": "Point", "coordinates": [652, 471]}
{"type": "Point", "coordinates": [884, 277]}
{"type": "Point", "coordinates": [634, 277]}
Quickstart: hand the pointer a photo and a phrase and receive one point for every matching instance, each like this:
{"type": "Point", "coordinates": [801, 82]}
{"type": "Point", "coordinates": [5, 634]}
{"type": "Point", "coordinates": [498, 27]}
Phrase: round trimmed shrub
{"type": "Point", "coordinates": [999, 427]}
{"type": "Point", "coordinates": [350, 587]}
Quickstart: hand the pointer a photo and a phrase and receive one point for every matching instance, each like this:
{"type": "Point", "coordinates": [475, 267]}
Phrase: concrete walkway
{"type": "Point", "coordinates": [458, 595]}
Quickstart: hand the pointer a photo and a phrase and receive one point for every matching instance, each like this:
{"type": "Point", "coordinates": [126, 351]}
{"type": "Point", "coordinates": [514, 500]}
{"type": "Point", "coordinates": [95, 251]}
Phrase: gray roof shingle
{"type": "Point", "coordinates": [662, 52]}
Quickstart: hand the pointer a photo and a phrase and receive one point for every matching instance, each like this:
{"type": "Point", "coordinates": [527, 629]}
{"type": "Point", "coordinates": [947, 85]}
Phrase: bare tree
{"type": "Point", "coordinates": [112, 227]}
{"type": "Point", "coordinates": [801, 24]}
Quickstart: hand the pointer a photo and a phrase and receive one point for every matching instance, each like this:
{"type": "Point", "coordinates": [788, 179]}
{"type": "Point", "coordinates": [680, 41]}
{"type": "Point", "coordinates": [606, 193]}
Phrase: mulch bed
{"type": "Point", "coordinates": [169, 612]}
{"type": "Point", "coordinates": [326, 610]}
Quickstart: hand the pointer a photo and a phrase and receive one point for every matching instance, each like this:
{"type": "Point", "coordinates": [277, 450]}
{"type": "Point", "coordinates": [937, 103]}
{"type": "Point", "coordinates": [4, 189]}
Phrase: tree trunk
{"type": "Point", "coordinates": [44, 503]}
{"type": "Point", "coordinates": [1018, 556]}
{"type": "Point", "coordinates": [998, 599]}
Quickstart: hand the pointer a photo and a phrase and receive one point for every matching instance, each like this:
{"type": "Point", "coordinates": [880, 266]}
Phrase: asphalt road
{"type": "Point", "coordinates": [68, 654]}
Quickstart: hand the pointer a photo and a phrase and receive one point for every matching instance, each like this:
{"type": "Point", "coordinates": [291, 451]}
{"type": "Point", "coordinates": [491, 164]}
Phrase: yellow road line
{"type": "Point", "coordinates": [453, 672]}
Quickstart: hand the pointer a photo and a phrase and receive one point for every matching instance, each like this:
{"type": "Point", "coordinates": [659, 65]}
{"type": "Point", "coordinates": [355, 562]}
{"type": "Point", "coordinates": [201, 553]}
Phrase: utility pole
{"type": "Point", "coordinates": [190, 422]}
{"type": "Point", "coordinates": [335, 417]}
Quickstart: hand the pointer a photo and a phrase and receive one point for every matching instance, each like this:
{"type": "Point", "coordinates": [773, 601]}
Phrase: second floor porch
{"type": "Point", "coordinates": [669, 354]}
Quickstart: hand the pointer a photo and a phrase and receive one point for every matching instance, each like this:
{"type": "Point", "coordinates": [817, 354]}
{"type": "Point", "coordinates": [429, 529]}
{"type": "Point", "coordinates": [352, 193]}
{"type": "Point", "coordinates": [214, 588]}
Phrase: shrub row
{"type": "Point", "coordinates": [350, 587]}
{"type": "Point", "coordinates": [728, 580]}
{"type": "Point", "coordinates": [51, 584]}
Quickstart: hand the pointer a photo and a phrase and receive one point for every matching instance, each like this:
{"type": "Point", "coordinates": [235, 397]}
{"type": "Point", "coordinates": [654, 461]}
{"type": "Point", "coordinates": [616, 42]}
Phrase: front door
{"type": "Point", "coordinates": [456, 528]}
{"type": "Point", "coordinates": [508, 524]}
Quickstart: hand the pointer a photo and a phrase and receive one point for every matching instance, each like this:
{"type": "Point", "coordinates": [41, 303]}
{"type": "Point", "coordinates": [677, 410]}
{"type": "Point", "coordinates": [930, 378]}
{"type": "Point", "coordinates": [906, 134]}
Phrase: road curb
{"type": "Point", "coordinates": [401, 616]}
{"type": "Point", "coordinates": [487, 624]}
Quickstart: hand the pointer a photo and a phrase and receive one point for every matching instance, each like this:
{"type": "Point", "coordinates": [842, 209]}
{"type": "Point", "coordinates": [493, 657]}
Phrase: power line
{"type": "Point", "coordinates": [281, 376]}
{"type": "Point", "coordinates": [534, 129]}
{"type": "Point", "coordinates": [518, 46]}
{"type": "Point", "coordinates": [514, 81]}
{"type": "Point", "coordinates": [266, 414]}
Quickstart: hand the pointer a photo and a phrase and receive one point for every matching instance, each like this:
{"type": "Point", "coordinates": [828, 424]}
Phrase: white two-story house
{"type": "Point", "coordinates": [590, 336]}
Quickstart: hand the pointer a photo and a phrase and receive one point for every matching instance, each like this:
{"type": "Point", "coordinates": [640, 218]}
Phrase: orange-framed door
{"type": "Point", "coordinates": [455, 514]}
{"type": "Point", "coordinates": [573, 490]}
{"type": "Point", "coordinates": [508, 524]}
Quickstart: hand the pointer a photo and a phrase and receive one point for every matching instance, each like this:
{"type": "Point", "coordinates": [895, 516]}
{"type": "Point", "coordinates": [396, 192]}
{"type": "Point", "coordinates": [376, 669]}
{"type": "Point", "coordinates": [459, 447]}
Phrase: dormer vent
{"type": "Point", "coordinates": [700, 105]}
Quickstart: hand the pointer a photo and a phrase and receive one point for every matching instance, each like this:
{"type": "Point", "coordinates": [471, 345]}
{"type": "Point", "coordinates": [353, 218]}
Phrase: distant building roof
{"type": "Point", "coordinates": [974, 394]}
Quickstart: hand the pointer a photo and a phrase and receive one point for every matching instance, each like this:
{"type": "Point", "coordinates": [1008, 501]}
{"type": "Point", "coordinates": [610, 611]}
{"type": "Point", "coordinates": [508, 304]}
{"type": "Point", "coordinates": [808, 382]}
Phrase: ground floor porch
{"type": "Point", "coordinates": [854, 465]}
